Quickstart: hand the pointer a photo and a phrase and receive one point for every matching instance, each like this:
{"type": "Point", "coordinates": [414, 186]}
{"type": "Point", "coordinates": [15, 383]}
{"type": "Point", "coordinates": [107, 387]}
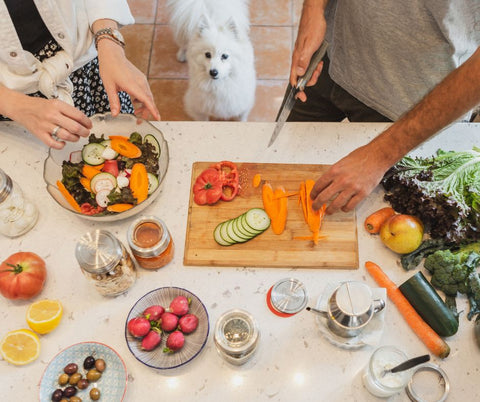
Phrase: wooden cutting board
{"type": "Point", "coordinates": [338, 250]}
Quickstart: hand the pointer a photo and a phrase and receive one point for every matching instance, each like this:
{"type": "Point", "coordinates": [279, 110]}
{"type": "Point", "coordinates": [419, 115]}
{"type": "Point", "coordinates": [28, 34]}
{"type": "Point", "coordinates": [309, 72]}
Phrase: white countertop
{"type": "Point", "coordinates": [293, 361]}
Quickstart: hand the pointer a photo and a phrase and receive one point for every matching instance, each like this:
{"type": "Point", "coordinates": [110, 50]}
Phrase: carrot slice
{"type": "Point", "coordinates": [85, 183]}
{"type": "Point", "coordinates": [427, 335]}
{"type": "Point", "coordinates": [68, 196]}
{"type": "Point", "coordinates": [256, 180]}
{"type": "Point", "coordinates": [374, 221]}
{"type": "Point", "coordinates": [117, 137]}
{"type": "Point", "coordinates": [280, 220]}
{"type": "Point", "coordinates": [139, 182]}
{"type": "Point", "coordinates": [268, 202]}
{"type": "Point", "coordinates": [125, 148]}
{"type": "Point", "coordinates": [119, 207]}
{"type": "Point", "coordinates": [90, 171]}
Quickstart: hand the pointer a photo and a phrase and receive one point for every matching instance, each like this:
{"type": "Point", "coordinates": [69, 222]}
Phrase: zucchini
{"type": "Point", "coordinates": [152, 140]}
{"type": "Point", "coordinates": [152, 183]}
{"type": "Point", "coordinates": [92, 154]}
{"type": "Point", "coordinates": [429, 305]}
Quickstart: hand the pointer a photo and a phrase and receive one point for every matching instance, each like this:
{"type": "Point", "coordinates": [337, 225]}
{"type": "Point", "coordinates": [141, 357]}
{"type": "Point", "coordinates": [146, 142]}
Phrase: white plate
{"type": "Point", "coordinates": [112, 384]}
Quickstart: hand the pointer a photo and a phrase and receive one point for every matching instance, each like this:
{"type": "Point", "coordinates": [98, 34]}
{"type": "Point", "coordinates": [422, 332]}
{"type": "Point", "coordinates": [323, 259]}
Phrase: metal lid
{"type": "Point", "coordinates": [289, 296]}
{"type": "Point", "coordinates": [423, 389]}
{"type": "Point", "coordinates": [353, 298]}
{"type": "Point", "coordinates": [157, 242]}
{"type": "Point", "coordinates": [6, 185]}
{"type": "Point", "coordinates": [98, 252]}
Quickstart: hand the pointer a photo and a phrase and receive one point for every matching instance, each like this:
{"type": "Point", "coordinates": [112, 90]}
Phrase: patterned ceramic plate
{"type": "Point", "coordinates": [194, 342]}
{"type": "Point", "coordinates": [112, 384]}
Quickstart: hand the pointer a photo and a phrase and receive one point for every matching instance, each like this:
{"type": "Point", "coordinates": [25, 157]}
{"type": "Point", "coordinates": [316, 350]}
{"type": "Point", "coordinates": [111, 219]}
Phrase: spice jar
{"type": "Point", "coordinates": [17, 214]}
{"type": "Point", "coordinates": [105, 262]}
{"type": "Point", "coordinates": [150, 242]}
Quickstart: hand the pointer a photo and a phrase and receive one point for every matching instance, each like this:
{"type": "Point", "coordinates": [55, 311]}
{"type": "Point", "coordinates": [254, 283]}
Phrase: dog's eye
{"type": "Point", "coordinates": [224, 56]}
{"type": "Point", "coordinates": [208, 55]}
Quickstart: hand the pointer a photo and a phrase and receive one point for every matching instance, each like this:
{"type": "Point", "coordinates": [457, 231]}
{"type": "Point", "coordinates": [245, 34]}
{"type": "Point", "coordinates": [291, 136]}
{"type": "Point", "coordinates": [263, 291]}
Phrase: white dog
{"type": "Point", "coordinates": [213, 36]}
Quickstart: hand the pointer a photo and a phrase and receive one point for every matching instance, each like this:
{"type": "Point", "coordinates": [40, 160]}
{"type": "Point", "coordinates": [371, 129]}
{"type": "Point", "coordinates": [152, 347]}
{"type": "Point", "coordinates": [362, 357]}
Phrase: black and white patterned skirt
{"type": "Point", "coordinates": [89, 94]}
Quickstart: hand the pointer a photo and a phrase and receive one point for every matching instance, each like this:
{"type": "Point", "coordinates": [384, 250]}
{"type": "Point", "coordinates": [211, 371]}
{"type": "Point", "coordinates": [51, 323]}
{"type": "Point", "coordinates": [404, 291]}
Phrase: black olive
{"type": "Point", "coordinates": [69, 391]}
{"type": "Point", "coordinates": [70, 368]}
{"type": "Point", "coordinates": [57, 395]}
{"type": "Point", "coordinates": [89, 362]}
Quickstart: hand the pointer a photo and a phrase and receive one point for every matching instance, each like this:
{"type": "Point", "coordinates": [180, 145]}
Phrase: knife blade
{"type": "Point", "coordinates": [289, 98]}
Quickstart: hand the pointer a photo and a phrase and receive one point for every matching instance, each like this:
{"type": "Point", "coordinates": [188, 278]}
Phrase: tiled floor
{"type": "Point", "coordinates": [151, 48]}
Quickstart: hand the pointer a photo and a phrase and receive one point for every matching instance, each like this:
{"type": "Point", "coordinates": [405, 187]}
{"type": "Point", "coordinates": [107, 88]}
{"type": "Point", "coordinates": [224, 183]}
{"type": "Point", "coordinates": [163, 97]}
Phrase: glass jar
{"type": "Point", "coordinates": [105, 262]}
{"type": "Point", "coordinates": [236, 336]}
{"type": "Point", "coordinates": [150, 242]}
{"type": "Point", "coordinates": [17, 214]}
{"type": "Point", "coordinates": [383, 384]}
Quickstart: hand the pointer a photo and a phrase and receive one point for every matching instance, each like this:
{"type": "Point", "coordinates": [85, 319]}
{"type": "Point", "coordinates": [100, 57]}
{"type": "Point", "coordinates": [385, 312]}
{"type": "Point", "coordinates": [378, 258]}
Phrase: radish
{"type": "Point", "coordinates": [153, 313]}
{"type": "Point", "coordinates": [102, 198]}
{"type": "Point", "coordinates": [188, 323]}
{"type": "Point", "coordinates": [138, 327]}
{"type": "Point", "coordinates": [179, 306]}
{"type": "Point", "coordinates": [169, 321]}
{"type": "Point", "coordinates": [175, 341]}
{"type": "Point", "coordinates": [152, 339]}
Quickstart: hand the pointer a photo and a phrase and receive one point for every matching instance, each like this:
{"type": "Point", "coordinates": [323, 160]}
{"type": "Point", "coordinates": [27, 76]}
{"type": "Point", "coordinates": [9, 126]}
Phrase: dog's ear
{"type": "Point", "coordinates": [232, 26]}
{"type": "Point", "coordinates": [203, 24]}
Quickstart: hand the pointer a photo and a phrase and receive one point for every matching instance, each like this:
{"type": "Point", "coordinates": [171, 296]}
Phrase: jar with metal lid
{"type": "Point", "coordinates": [17, 214]}
{"type": "Point", "coordinates": [150, 242]}
{"type": "Point", "coordinates": [105, 262]}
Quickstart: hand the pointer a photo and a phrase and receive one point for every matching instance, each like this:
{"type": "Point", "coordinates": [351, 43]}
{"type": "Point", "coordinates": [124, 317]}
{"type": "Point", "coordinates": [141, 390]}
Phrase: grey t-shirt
{"type": "Point", "coordinates": [390, 53]}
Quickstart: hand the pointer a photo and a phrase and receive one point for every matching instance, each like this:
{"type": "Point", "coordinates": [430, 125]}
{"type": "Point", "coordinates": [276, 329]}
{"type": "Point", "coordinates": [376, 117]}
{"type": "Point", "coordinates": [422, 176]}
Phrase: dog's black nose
{"type": "Point", "coordinates": [213, 73]}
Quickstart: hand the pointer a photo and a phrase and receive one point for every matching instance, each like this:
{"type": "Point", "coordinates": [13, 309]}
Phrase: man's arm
{"type": "Point", "coordinates": [351, 179]}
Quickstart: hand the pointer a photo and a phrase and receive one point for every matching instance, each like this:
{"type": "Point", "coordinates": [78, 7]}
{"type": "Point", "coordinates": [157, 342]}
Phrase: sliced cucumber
{"type": "Point", "coordinates": [152, 182]}
{"type": "Point", "coordinates": [152, 140]}
{"type": "Point", "coordinates": [242, 228]}
{"type": "Point", "coordinates": [103, 181]}
{"type": "Point", "coordinates": [92, 154]}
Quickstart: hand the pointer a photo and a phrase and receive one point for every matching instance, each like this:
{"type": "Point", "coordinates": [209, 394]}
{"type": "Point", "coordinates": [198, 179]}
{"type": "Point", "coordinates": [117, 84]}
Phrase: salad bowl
{"type": "Point", "coordinates": [106, 125]}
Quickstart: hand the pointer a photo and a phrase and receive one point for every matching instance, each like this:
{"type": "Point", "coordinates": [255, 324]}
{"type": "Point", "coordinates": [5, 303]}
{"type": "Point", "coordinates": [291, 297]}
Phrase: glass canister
{"type": "Point", "coordinates": [17, 214]}
{"type": "Point", "coordinates": [105, 262]}
{"type": "Point", "coordinates": [150, 242]}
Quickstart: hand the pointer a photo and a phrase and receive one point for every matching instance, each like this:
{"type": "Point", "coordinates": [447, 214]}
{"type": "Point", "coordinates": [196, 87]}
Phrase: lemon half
{"type": "Point", "coordinates": [44, 316]}
{"type": "Point", "coordinates": [20, 347]}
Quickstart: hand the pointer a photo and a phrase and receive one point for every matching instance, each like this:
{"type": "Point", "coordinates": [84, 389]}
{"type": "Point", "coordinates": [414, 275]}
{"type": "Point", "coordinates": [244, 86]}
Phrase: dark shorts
{"type": "Point", "coordinates": [327, 101]}
{"type": "Point", "coordinates": [89, 94]}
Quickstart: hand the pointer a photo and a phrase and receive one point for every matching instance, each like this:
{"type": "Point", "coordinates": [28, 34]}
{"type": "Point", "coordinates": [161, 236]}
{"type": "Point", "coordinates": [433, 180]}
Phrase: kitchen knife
{"type": "Point", "coordinates": [289, 98]}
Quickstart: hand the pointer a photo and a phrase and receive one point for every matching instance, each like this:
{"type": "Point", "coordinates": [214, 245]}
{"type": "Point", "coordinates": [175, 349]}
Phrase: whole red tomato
{"type": "Point", "coordinates": [22, 276]}
{"type": "Point", "coordinates": [208, 187]}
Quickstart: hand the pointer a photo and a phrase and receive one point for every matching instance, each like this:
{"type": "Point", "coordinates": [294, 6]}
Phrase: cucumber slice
{"type": "Point", "coordinates": [257, 219]}
{"type": "Point", "coordinates": [152, 182]}
{"type": "Point", "coordinates": [233, 234]}
{"type": "Point", "coordinates": [218, 238]}
{"type": "Point", "coordinates": [224, 233]}
{"type": "Point", "coordinates": [103, 181]}
{"type": "Point", "coordinates": [240, 229]}
{"type": "Point", "coordinates": [152, 140]}
{"type": "Point", "coordinates": [92, 154]}
{"type": "Point", "coordinates": [246, 227]}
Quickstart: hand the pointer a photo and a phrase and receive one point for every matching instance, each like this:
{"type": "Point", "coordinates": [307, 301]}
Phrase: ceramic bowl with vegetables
{"type": "Point", "coordinates": [114, 173]}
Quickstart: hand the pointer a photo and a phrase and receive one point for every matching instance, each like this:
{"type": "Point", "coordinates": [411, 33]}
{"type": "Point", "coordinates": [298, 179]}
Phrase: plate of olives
{"type": "Point", "coordinates": [85, 371]}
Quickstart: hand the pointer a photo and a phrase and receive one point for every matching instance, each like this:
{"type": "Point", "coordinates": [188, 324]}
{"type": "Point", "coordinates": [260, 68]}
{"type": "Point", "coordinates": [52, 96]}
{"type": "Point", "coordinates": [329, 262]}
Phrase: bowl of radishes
{"type": "Point", "coordinates": [114, 173]}
{"type": "Point", "coordinates": [167, 328]}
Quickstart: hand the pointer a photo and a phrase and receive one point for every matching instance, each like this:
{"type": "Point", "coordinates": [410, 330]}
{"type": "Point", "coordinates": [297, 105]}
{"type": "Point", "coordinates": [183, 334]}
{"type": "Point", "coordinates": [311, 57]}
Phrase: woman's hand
{"type": "Point", "coordinates": [119, 74]}
{"type": "Point", "coordinates": [42, 117]}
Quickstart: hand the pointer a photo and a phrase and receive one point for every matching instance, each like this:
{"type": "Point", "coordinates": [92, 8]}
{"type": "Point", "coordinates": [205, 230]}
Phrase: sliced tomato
{"type": "Point", "coordinates": [228, 171]}
{"type": "Point", "coordinates": [229, 191]}
{"type": "Point", "coordinates": [111, 166]}
{"type": "Point", "coordinates": [88, 209]}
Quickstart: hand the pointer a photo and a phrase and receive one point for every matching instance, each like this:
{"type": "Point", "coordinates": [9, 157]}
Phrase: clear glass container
{"type": "Point", "coordinates": [17, 214]}
{"type": "Point", "coordinates": [150, 242]}
{"type": "Point", "coordinates": [105, 262]}
{"type": "Point", "coordinates": [289, 296]}
{"type": "Point", "coordinates": [383, 384]}
{"type": "Point", "coordinates": [236, 336]}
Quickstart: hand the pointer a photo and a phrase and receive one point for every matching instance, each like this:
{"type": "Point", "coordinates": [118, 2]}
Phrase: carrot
{"type": "Point", "coordinates": [139, 182]}
{"type": "Point", "coordinates": [313, 217]}
{"type": "Point", "coordinates": [68, 196]}
{"type": "Point", "coordinates": [269, 205]}
{"type": "Point", "coordinates": [85, 183]}
{"type": "Point", "coordinates": [125, 148]}
{"type": "Point", "coordinates": [286, 194]}
{"type": "Point", "coordinates": [119, 207]}
{"type": "Point", "coordinates": [302, 199]}
{"type": "Point", "coordinates": [374, 221]}
{"type": "Point", "coordinates": [280, 220]}
{"type": "Point", "coordinates": [121, 137]}
{"type": "Point", "coordinates": [90, 171]}
{"type": "Point", "coordinates": [256, 180]}
{"type": "Point", "coordinates": [428, 336]}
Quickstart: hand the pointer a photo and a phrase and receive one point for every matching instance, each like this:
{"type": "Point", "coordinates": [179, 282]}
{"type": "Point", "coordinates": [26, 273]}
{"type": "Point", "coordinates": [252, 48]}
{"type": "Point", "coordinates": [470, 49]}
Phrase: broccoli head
{"type": "Point", "coordinates": [450, 270]}
{"type": "Point", "coordinates": [474, 295]}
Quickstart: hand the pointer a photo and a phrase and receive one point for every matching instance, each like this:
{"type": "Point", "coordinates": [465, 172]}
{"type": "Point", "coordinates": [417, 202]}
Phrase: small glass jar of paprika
{"type": "Point", "coordinates": [150, 242]}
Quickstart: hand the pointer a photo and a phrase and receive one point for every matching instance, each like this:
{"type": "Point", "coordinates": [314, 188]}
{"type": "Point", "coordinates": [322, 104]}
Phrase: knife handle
{"type": "Point", "coordinates": [316, 58]}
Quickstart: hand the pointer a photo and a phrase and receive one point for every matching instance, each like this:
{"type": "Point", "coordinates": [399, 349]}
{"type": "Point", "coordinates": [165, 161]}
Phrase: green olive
{"type": "Point", "coordinates": [63, 379]}
{"type": "Point", "coordinates": [100, 365]}
{"type": "Point", "coordinates": [95, 394]}
{"type": "Point", "coordinates": [83, 383]}
{"type": "Point", "coordinates": [75, 399]}
{"type": "Point", "coordinates": [93, 375]}
{"type": "Point", "coordinates": [75, 378]}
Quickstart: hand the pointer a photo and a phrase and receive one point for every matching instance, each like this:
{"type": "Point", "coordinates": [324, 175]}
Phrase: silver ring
{"type": "Point", "coordinates": [54, 132]}
{"type": "Point", "coordinates": [443, 381]}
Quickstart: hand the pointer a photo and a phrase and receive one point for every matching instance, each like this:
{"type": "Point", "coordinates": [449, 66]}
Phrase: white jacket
{"type": "Point", "coordinates": [69, 22]}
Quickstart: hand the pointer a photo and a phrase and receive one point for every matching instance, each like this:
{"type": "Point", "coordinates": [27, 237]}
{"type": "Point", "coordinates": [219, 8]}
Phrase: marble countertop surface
{"type": "Point", "coordinates": [294, 361]}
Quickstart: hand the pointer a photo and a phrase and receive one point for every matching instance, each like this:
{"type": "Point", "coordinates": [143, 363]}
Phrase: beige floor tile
{"type": "Point", "coordinates": [138, 39]}
{"type": "Point", "coordinates": [271, 12]}
{"type": "Point", "coordinates": [163, 63]}
{"type": "Point", "coordinates": [161, 12]}
{"type": "Point", "coordinates": [297, 11]}
{"type": "Point", "coordinates": [269, 96]}
{"type": "Point", "coordinates": [168, 95]}
{"type": "Point", "coordinates": [272, 47]}
{"type": "Point", "coordinates": [143, 10]}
